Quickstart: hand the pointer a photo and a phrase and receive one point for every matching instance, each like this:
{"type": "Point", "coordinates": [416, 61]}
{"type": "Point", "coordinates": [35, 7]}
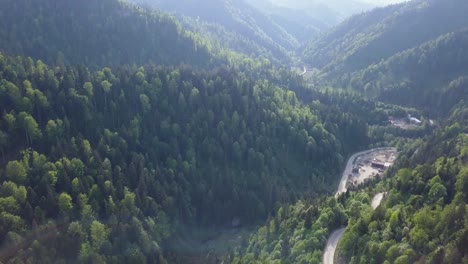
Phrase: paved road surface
{"type": "Point", "coordinates": [332, 242]}
{"type": "Point", "coordinates": [329, 252]}
{"type": "Point", "coordinates": [349, 169]}
{"type": "Point", "coordinates": [377, 200]}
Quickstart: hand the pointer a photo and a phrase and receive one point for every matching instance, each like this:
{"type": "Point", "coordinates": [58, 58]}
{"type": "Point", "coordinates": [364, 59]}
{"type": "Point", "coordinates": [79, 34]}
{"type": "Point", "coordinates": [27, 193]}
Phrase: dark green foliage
{"type": "Point", "coordinates": [235, 25]}
{"type": "Point", "coordinates": [96, 34]}
{"type": "Point", "coordinates": [113, 165]}
{"type": "Point", "coordinates": [296, 234]}
{"type": "Point", "coordinates": [430, 77]}
{"type": "Point", "coordinates": [424, 218]}
{"type": "Point", "coordinates": [378, 34]}
{"type": "Point", "coordinates": [130, 154]}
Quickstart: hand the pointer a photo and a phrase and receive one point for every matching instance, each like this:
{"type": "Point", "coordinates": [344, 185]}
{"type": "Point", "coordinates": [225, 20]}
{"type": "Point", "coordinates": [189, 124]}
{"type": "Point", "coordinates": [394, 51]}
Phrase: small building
{"type": "Point", "coordinates": [414, 120]}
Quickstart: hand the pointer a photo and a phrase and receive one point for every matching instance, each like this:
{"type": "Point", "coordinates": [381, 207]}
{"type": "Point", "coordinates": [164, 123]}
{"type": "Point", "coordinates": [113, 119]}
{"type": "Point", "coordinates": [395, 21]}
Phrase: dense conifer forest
{"type": "Point", "coordinates": [131, 135]}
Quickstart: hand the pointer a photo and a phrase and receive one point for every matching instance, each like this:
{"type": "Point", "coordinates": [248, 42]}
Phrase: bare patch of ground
{"type": "Point", "coordinates": [371, 164]}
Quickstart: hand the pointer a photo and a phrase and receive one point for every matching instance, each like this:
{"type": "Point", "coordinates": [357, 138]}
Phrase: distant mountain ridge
{"type": "Point", "coordinates": [412, 54]}
{"type": "Point", "coordinates": [370, 37]}
{"type": "Point", "coordinates": [431, 76]}
{"type": "Point", "coordinates": [238, 18]}
{"type": "Point", "coordinates": [98, 33]}
{"type": "Point", "coordinates": [330, 11]}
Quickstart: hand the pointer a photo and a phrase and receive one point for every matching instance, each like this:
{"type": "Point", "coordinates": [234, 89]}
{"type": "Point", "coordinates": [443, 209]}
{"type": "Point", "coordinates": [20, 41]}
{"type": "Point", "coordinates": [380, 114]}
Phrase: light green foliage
{"type": "Point", "coordinates": [419, 238]}
{"type": "Point", "coordinates": [128, 201]}
{"type": "Point", "coordinates": [425, 212]}
{"type": "Point", "coordinates": [65, 202]}
{"type": "Point", "coordinates": [285, 239]}
{"type": "Point", "coordinates": [30, 127]}
{"type": "Point", "coordinates": [9, 205]}
{"type": "Point", "coordinates": [10, 119]}
{"type": "Point", "coordinates": [148, 151]}
{"type": "Point", "coordinates": [194, 95]}
{"type": "Point", "coordinates": [145, 103]}
{"type": "Point", "coordinates": [140, 76]}
{"type": "Point", "coordinates": [52, 129]}
{"type": "Point", "coordinates": [86, 146]}
{"type": "Point", "coordinates": [462, 182]}
{"type": "Point", "coordinates": [16, 172]}
{"type": "Point", "coordinates": [437, 191]}
{"type": "Point", "coordinates": [76, 185]}
{"type": "Point", "coordinates": [404, 176]}
{"type": "Point", "coordinates": [11, 222]}
{"type": "Point", "coordinates": [106, 86]}
{"type": "Point", "coordinates": [89, 89]}
{"type": "Point", "coordinates": [99, 234]}
{"type": "Point", "coordinates": [75, 229]}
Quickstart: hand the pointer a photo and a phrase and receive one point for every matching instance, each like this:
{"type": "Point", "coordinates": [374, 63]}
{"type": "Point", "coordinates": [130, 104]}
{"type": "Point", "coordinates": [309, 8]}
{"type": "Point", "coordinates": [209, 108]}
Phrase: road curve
{"type": "Point", "coordinates": [304, 72]}
{"type": "Point", "coordinates": [349, 169]}
{"type": "Point", "coordinates": [329, 251]}
{"type": "Point", "coordinates": [329, 255]}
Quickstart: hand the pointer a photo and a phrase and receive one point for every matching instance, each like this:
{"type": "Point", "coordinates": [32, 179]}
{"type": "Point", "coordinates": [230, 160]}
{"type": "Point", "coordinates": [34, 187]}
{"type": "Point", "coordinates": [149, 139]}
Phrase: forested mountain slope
{"type": "Point", "coordinates": [378, 34]}
{"type": "Point", "coordinates": [96, 33]}
{"type": "Point", "coordinates": [132, 153]}
{"type": "Point", "coordinates": [299, 22]}
{"type": "Point", "coordinates": [119, 131]}
{"type": "Point", "coordinates": [220, 36]}
{"type": "Point", "coordinates": [423, 218]}
{"type": "Point", "coordinates": [239, 19]}
{"type": "Point", "coordinates": [431, 77]}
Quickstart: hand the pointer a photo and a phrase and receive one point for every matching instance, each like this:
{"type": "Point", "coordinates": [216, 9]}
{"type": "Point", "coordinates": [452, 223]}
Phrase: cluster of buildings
{"type": "Point", "coordinates": [405, 123]}
{"type": "Point", "coordinates": [371, 165]}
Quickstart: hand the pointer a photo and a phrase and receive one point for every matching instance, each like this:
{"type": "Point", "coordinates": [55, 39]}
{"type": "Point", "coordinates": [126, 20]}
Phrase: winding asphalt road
{"type": "Point", "coordinates": [329, 251]}
{"type": "Point", "coordinates": [349, 168]}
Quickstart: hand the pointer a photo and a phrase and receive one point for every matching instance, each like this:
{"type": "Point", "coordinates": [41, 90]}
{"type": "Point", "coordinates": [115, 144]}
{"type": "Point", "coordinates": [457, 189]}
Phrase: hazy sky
{"type": "Point", "coordinates": [383, 2]}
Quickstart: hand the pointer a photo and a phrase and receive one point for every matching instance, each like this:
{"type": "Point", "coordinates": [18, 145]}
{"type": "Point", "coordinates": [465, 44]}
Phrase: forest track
{"type": "Point", "coordinates": [377, 200]}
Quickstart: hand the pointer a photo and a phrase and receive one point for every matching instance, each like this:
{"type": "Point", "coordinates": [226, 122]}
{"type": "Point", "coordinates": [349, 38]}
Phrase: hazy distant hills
{"type": "Point", "coordinates": [235, 24]}
{"type": "Point", "coordinates": [432, 76]}
{"type": "Point", "coordinates": [301, 23]}
{"type": "Point", "coordinates": [330, 11]}
{"type": "Point", "coordinates": [261, 28]}
{"type": "Point", "coordinates": [408, 53]}
{"type": "Point", "coordinates": [378, 34]}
